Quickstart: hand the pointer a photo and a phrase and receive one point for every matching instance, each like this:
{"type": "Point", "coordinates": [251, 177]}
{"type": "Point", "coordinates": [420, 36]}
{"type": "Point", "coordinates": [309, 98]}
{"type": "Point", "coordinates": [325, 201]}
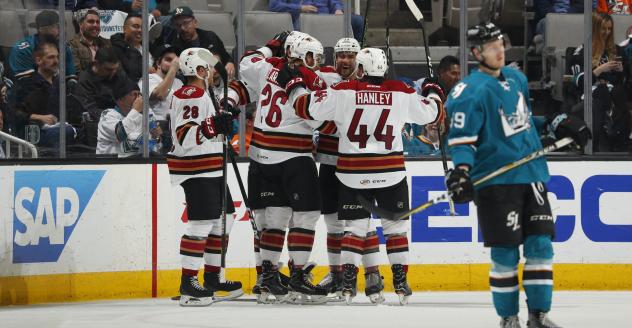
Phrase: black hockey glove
{"type": "Point", "coordinates": [460, 185]}
{"type": "Point", "coordinates": [286, 74]}
{"type": "Point", "coordinates": [570, 126]}
{"type": "Point", "coordinates": [228, 108]}
{"type": "Point", "coordinates": [215, 125]}
{"type": "Point", "coordinates": [276, 44]}
{"type": "Point", "coordinates": [431, 85]}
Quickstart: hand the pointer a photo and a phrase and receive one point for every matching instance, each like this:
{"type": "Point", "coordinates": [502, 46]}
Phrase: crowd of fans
{"type": "Point", "coordinates": [104, 71]}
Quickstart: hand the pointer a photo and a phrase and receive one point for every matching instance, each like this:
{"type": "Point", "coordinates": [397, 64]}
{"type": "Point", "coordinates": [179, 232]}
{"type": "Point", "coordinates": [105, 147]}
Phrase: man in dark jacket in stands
{"type": "Point", "coordinates": [184, 34]}
{"type": "Point", "coordinates": [94, 91]}
{"type": "Point", "coordinates": [127, 46]}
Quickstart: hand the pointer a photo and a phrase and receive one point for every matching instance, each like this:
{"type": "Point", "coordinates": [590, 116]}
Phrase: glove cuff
{"type": "Point", "coordinates": [294, 83]}
{"type": "Point", "coordinates": [557, 120]}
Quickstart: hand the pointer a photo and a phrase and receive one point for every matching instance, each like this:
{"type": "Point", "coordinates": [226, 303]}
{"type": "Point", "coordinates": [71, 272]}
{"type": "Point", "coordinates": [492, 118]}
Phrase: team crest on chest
{"type": "Point", "coordinates": [518, 121]}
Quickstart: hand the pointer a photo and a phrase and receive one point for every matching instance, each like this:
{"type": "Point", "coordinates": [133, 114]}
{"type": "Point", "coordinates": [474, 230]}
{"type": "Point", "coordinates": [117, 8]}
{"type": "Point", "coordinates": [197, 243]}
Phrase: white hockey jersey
{"type": "Point", "coordinates": [119, 134]}
{"type": "Point", "coordinates": [369, 119]}
{"type": "Point", "coordinates": [278, 134]}
{"type": "Point", "coordinates": [193, 155]}
{"type": "Point", "coordinates": [327, 145]}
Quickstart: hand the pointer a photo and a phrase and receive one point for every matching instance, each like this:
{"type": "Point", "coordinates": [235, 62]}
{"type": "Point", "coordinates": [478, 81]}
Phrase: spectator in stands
{"type": "Point", "coordinates": [610, 71]}
{"type": "Point", "coordinates": [85, 44]}
{"type": "Point", "coordinates": [120, 126]}
{"type": "Point", "coordinates": [69, 4]}
{"type": "Point", "coordinates": [613, 6]}
{"type": "Point", "coordinates": [162, 84]}
{"type": "Point", "coordinates": [543, 7]}
{"type": "Point", "coordinates": [21, 57]}
{"type": "Point", "coordinates": [184, 34]}
{"type": "Point", "coordinates": [331, 7]}
{"type": "Point", "coordinates": [127, 46]}
{"type": "Point", "coordinates": [32, 98]}
{"type": "Point", "coordinates": [94, 91]}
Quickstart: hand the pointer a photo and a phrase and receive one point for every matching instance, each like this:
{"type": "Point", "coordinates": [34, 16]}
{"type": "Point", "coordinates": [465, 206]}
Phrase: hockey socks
{"type": "Point", "coordinates": [503, 280]}
{"type": "Point", "coordinates": [299, 243]}
{"type": "Point", "coordinates": [371, 254]}
{"type": "Point", "coordinates": [537, 276]}
{"type": "Point", "coordinates": [192, 251]}
{"type": "Point", "coordinates": [334, 243]}
{"type": "Point", "coordinates": [397, 248]}
{"type": "Point", "coordinates": [213, 253]}
{"type": "Point", "coordinates": [271, 244]}
{"type": "Point", "coordinates": [352, 247]}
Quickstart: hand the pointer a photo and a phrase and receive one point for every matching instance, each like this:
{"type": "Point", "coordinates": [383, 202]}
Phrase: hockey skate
{"type": "Point", "coordinates": [301, 289]}
{"type": "Point", "coordinates": [223, 291]}
{"type": "Point", "coordinates": [510, 322]}
{"type": "Point", "coordinates": [192, 294]}
{"type": "Point", "coordinates": [400, 284]}
{"type": "Point", "coordinates": [272, 291]}
{"type": "Point", "coordinates": [374, 287]}
{"type": "Point", "coordinates": [350, 282]}
{"type": "Point", "coordinates": [540, 320]}
{"type": "Point", "coordinates": [332, 283]}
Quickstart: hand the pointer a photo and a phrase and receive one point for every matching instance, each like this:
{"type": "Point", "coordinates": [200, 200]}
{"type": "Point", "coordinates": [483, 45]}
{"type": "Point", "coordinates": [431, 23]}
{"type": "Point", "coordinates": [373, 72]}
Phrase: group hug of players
{"type": "Point", "coordinates": [353, 117]}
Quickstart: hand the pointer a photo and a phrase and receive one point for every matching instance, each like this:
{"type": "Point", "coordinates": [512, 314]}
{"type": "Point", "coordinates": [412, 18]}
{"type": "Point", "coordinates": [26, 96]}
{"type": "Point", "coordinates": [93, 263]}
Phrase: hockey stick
{"type": "Point", "coordinates": [231, 154]}
{"type": "Point", "coordinates": [224, 75]}
{"type": "Point", "coordinates": [391, 66]}
{"type": "Point", "coordinates": [420, 19]}
{"type": "Point", "coordinates": [366, 22]}
{"type": "Point", "coordinates": [384, 213]}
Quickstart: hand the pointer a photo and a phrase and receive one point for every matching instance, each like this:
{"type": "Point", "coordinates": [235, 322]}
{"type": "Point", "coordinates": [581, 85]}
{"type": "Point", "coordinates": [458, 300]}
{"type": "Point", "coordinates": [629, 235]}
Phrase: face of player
{"type": "Point", "coordinates": [91, 26]}
{"type": "Point", "coordinates": [493, 54]}
{"type": "Point", "coordinates": [450, 77]}
{"type": "Point", "coordinates": [48, 62]}
{"type": "Point", "coordinates": [345, 64]}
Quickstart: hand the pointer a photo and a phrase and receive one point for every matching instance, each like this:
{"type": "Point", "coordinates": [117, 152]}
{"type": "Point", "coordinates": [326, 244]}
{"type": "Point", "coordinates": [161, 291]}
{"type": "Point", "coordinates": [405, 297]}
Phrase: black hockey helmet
{"type": "Point", "coordinates": [480, 34]}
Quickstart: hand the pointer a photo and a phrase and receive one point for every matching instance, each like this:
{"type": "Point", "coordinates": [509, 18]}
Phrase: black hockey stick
{"type": "Point", "coordinates": [391, 67]}
{"type": "Point", "coordinates": [366, 23]}
{"type": "Point", "coordinates": [231, 154]}
{"type": "Point", "coordinates": [219, 67]}
{"type": "Point", "coordinates": [420, 19]}
{"type": "Point", "coordinates": [386, 214]}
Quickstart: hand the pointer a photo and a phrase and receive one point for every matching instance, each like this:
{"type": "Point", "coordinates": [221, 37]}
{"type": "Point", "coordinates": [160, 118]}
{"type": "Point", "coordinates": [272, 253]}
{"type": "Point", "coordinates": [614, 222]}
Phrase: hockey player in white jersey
{"type": "Point", "coordinates": [282, 172]}
{"type": "Point", "coordinates": [370, 162]}
{"type": "Point", "coordinates": [195, 162]}
{"type": "Point", "coordinates": [344, 68]}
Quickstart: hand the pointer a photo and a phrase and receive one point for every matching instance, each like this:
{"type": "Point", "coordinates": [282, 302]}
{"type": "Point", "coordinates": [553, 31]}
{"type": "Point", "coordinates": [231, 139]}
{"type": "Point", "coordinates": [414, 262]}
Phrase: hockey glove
{"type": "Point", "coordinates": [276, 44]}
{"type": "Point", "coordinates": [570, 126]}
{"type": "Point", "coordinates": [431, 86]}
{"type": "Point", "coordinates": [286, 74]}
{"type": "Point", "coordinates": [215, 125]}
{"type": "Point", "coordinates": [460, 185]}
{"type": "Point", "coordinates": [312, 80]}
{"type": "Point", "coordinates": [228, 108]}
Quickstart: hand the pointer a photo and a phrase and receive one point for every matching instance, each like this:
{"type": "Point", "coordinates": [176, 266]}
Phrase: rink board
{"type": "Point", "coordinates": [81, 232]}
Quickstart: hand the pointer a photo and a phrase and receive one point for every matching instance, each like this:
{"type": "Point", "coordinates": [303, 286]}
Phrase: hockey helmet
{"type": "Point", "coordinates": [292, 37]}
{"type": "Point", "coordinates": [192, 58]}
{"type": "Point", "coordinates": [347, 45]}
{"type": "Point", "coordinates": [303, 45]}
{"type": "Point", "coordinates": [480, 34]}
{"type": "Point", "coordinates": [373, 61]}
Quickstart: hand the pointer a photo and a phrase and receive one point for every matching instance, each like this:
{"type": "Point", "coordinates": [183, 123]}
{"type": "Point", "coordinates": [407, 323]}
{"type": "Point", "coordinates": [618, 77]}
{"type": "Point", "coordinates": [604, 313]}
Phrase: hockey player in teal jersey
{"type": "Point", "coordinates": [491, 126]}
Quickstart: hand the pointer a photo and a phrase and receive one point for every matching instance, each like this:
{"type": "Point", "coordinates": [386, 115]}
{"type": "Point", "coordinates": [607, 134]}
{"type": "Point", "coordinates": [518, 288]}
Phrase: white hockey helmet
{"type": "Point", "coordinates": [347, 45]}
{"type": "Point", "coordinates": [292, 37]}
{"type": "Point", "coordinates": [192, 58]}
{"type": "Point", "coordinates": [373, 61]}
{"type": "Point", "coordinates": [304, 45]}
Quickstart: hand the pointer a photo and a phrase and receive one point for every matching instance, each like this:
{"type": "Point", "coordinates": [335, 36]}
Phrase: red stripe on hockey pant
{"type": "Point", "coordinates": [189, 272]}
{"type": "Point", "coordinates": [212, 268]}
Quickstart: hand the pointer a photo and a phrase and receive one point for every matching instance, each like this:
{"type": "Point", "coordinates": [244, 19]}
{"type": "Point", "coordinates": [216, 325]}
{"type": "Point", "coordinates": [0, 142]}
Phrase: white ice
{"type": "Point", "coordinates": [426, 309]}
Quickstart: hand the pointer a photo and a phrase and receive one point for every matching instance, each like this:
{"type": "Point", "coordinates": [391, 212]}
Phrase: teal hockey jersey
{"type": "Point", "coordinates": [491, 125]}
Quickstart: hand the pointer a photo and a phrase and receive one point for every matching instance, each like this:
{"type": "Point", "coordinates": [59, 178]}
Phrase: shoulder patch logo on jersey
{"type": "Point", "coordinates": [23, 45]}
{"type": "Point", "coordinates": [505, 85]}
{"type": "Point", "coordinates": [47, 207]}
{"type": "Point", "coordinates": [518, 121]}
{"type": "Point", "coordinates": [320, 95]}
{"type": "Point", "coordinates": [458, 89]}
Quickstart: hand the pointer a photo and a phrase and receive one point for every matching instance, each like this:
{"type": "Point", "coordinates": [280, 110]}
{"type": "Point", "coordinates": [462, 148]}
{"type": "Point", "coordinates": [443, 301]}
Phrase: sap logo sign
{"type": "Point", "coordinates": [561, 187]}
{"type": "Point", "coordinates": [47, 208]}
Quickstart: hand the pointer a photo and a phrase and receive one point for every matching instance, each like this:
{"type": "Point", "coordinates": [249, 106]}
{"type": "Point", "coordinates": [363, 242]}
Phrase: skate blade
{"type": "Point", "coordinates": [403, 299]}
{"type": "Point", "coordinates": [348, 298]}
{"type": "Point", "coordinates": [195, 301]}
{"type": "Point", "coordinates": [377, 298]}
{"type": "Point", "coordinates": [336, 297]}
{"type": "Point", "coordinates": [267, 298]}
{"type": "Point", "coordinates": [221, 296]}
{"type": "Point", "coordinates": [304, 299]}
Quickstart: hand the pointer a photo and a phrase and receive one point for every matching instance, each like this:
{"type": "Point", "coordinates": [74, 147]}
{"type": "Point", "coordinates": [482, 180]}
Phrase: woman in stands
{"type": "Point", "coordinates": [610, 71]}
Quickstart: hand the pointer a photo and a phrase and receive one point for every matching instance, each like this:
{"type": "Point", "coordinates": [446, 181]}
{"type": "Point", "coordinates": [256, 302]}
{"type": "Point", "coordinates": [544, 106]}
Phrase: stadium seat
{"type": "Point", "coordinates": [193, 4]}
{"type": "Point", "coordinates": [30, 18]}
{"type": "Point", "coordinates": [221, 24]}
{"type": "Point", "coordinates": [249, 5]}
{"type": "Point", "coordinates": [12, 30]}
{"type": "Point", "coordinates": [473, 9]}
{"type": "Point", "coordinates": [261, 26]}
{"type": "Point", "coordinates": [11, 4]}
{"type": "Point", "coordinates": [561, 33]}
{"type": "Point", "coordinates": [328, 29]}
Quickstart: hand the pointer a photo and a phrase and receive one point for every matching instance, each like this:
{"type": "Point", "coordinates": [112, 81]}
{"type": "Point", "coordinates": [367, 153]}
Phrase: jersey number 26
{"type": "Point", "coordinates": [272, 114]}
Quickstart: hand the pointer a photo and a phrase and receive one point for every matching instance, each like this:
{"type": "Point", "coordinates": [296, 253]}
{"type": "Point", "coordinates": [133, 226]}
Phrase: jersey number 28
{"type": "Point", "coordinates": [362, 136]}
